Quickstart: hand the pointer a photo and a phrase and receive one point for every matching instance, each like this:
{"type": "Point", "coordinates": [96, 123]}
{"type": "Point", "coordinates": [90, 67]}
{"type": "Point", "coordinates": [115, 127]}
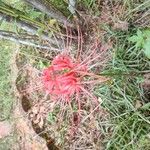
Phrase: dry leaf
{"type": "Point", "coordinates": [121, 25]}
{"type": "Point", "coordinates": [138, 104]}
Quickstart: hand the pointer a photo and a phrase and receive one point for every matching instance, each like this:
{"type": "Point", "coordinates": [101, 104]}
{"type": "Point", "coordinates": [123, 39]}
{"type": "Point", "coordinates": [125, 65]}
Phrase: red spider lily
{"type": "Point", "coordinates": [66, 77]}
{"type": "Point", "coordinates": [62, 79]}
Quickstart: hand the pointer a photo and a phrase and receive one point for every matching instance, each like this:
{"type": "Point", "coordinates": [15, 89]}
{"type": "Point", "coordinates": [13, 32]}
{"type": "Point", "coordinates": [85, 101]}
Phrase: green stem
{"type": "Point", "coordinates": [132, 73]}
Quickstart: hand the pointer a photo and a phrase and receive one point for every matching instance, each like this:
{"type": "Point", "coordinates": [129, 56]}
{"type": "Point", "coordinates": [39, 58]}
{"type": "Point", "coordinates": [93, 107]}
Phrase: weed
{"type": "Point", "coordinates": [61, 5]}
{"type": "Point", "coordinates": [6, 97]}
{"type": "Point", "coordinates": [91, 5]}
{"type": "Point", "coordinates": [142, 41]}
{"type": "Point", "coordinates": [5, 79]}
{"type": "Point", "coordinates": [129, 122]}
{"type": "Point", "coordinates": [129, 128]}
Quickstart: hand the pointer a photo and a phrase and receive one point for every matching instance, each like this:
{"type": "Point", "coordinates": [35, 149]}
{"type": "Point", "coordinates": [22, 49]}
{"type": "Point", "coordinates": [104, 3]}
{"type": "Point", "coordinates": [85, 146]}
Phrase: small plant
{"type": "Point", "coordinates": [142, 40]}
{"type": "Point", "coordinates": [70, 79]}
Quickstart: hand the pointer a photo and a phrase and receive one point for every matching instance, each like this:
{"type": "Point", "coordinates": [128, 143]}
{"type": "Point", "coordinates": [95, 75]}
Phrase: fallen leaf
{"type": "Point", "coordinates": [138, 104]}
{"type": "Point", "coordinates": [121, 25]}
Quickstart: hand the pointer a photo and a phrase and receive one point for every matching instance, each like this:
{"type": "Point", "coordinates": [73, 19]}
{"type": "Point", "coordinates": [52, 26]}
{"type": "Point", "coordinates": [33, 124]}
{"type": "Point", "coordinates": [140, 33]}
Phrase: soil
{"type": "Point", "coordinates": [30, 137]}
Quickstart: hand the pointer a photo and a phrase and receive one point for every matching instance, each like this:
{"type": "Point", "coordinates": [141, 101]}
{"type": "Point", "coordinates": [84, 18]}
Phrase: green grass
{"type": "Point", "coordinates": [6, 143]}
{"type": "Point", "coordinates": [130, 124]}
{"type": "Point", "coordinates": [61, 5]}
{"type": "Point", "coordinates": [91, 6]}
{"type": "Point", "coordinates": [6, 97]}
{"type": "Point", "coordinates": [128, 131]}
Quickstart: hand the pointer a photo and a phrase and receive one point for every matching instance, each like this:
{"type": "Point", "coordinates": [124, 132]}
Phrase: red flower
{"type": "Point", "coordinates": [62, 62]}
{"type": "Point", "coordinates": [62, 78]}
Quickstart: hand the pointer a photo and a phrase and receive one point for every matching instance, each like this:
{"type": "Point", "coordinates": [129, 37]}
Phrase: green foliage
{"type": "Point", "coordinates": [146, 106]}
{"type": "Point", "coordinates": [146, 48]}
{"type": "Point", "coordinates": [7, 143]}
{"type": "Point", "coordinates": [91, 6]}
{"type": "Point", "coordinates": [142, 40]}
{"type": "Point", "coordinates": [34, 14]}
{"type": "Point", "coordinates": [143, 143]}
{"type": "Point", "coordinates": [130, 124]}
{"type": "Point", "coordinates": [137, 39]}
{"type": "Point", "coordinates": [28, 14]}
{"type": "Point", "coordinates": [61, 5]}
{"type": "Point", "coordinates": [43, 64]}
{"type": "Point", "coordinates": [51, 118]}
{"type": "Point", "coordinates": [8, 26]}
{"type": "Point", "coordinates": [6, 98]}
{"type": "Point", "coordinates": [23, 7]}
{"type": "Point", "coordinates": [129, 128]}
{"type": "Point", "coordinates": [88, 3]}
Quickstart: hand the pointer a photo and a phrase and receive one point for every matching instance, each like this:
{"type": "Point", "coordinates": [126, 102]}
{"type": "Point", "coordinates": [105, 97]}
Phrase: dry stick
{"type": "Point", "coordinates": [71, 6]}
{"type": "Point", "coordinates": [29, 28]}
{"type": "Point", "coordinates": [46, 7]}
{"type": "Point", "coordinates": [8, 10]}
{"type": "Point", "coordinates": [89, 114]}
{"type": "Point", "coordinates": [26, 24]}
{"type": "Point", "coordinates": [26, 40]}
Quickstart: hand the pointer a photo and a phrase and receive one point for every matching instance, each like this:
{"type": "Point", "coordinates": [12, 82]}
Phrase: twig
{"type": "Point", "coordinates": [29, 28]}
{"type": "Point", "coordinates": [90, 114]}
{"type": "Point", "coordinates": [24, 39]}
{"type": "Point", "coordinates": [71, 6]}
